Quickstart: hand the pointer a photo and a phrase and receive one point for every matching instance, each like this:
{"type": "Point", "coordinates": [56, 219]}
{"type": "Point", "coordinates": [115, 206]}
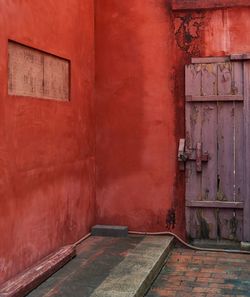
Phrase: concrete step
{"type": "Point", "coordinates": [109, 267]}
{"type": "Point", "coordinates": [109, 230]}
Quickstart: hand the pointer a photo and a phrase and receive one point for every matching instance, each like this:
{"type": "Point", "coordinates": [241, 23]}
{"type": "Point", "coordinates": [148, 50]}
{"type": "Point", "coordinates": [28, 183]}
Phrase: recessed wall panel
{"type": "Point", "coordinates": [37, 74]}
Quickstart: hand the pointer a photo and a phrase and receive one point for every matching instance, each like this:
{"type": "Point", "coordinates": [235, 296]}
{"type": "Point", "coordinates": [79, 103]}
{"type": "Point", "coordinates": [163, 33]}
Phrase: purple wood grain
{"type": "Point", "coordinates": [209, 172]}
{"type": "Point", "coordinates": [208, 79]}
{"type": "Point", "coordinates": [209, 142]}
{"type": "Point", "coordinates": [226, 164]}
{"type": "Point", "coordinates": [193, 180]}
{"type": "Point", "coordinates": [239, 152]}
{"type": "Point", "coordinates": [210, 60]}
{"type": "Point", "coordinates": [212, 98]}
{"type": "Point", "coordinates": [246, 228]}
{"type": "Point", "coordinates": [198, 157]}
{"type": "Point", "coordinates": [237, 75]}
{"type": "Point", "coordinates": [240, 57]}
{"type": "Point", "coordinates": [193, 80]}
{"type": "Point", "coordinates": [226, 179]}
{"type": "Point", "coordinates": [214, 117]}
{"type": "Point", "coordinates": [225, 79]}
{"type": "Point", "coordinates": [215, 204]}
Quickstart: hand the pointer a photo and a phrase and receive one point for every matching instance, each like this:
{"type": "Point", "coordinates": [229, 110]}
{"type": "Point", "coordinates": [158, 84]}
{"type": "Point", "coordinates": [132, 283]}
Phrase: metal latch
{"type": "Point", "coordinates": [182, 156]}
{"type": "Point", "coordinates": [194, 154]}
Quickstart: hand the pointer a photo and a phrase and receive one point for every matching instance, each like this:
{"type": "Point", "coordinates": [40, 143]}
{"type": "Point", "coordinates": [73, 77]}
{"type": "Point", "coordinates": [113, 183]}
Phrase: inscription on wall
{"type": "Point", "coordinates": [37, 74]}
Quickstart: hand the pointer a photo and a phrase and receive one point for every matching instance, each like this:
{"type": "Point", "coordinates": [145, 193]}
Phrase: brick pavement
{"type": "Point", "coordinates": [204, 274]}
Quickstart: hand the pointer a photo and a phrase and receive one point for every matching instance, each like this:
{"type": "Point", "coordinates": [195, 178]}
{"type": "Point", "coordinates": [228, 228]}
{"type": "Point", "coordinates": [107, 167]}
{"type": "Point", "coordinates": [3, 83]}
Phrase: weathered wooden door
{"type": "Point", "coordinates": [215, 150]}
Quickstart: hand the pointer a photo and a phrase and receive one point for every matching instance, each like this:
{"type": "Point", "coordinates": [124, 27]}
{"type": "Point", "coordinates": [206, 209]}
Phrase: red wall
{"type": "Point", "coordinates": [47, 157]}
{"type": "Point", "coordinates": [138, 116]}
{"type": "Point", "coordinates": [141, 50]}
{"type": "Point", "coordinates": [48, 149]}
{"type": "Point", "coordinates": [226, 31]}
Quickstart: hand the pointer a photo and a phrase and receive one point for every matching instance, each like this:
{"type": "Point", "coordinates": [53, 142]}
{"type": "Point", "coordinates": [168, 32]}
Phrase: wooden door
{"type": "Point", "coordinates": [215, 150]}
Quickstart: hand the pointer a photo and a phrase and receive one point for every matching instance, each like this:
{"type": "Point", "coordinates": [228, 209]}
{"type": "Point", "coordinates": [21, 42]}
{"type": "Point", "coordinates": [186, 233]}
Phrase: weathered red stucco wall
{"type": "Point", "coordinates": [46, 147]}
{"type": "Point", "coordinates": [217, 32]}
{"type": "Point", "coordinates": [138, 116]}
{"type": "Point", "coordinates": [141, 50]}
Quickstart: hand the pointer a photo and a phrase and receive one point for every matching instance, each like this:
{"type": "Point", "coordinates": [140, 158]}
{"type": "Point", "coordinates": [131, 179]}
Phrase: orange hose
{"type": "Point", "coordinates": [82, 239]}
{"type": "Point", "coordinates": [187, 244]}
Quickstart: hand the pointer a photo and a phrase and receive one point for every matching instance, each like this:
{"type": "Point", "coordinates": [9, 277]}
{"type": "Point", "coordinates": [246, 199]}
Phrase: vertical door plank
{"type": "Point", "coordinates": [237, 74]}
{"type": "Point", "coordinates": [239, 152]}
{"type": "Point", "coordinates": [209, 169]}
{"type": "Point", "coordinates": [239, 133]}
{"type": "Point", "coordinates": [193, 180]}
{"type": "Point", "coordinates": [209, 79]}
{"type": "Point", "coordinates": [239, 166]}
{"type": "Point", "coordinates": [225, 179]}
{"type": "Point", "coordinates": [193, 116]}
{"type": "Point", "coordinates": [246, 227]}
{"type": "Point", "coordinates": [193, 80]}
{"type": "Point", "coordinates": [224, 79]}
{"type": "Point", "coordinates": [209, 144]}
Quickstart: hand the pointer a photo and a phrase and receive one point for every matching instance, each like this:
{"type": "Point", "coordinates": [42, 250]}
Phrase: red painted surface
{"type": "Point", "coordinates": [137, 116]}
{"type": "Point", "coordinates": [226, 30]}
{"type": "Point", "coordinates": [46, 147]}
{"type": "Point", "coordinates": [141, 50]}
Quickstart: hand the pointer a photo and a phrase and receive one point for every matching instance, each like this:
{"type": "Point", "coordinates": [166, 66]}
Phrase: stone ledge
{"type": "Point", "coordinates": [25, 282]}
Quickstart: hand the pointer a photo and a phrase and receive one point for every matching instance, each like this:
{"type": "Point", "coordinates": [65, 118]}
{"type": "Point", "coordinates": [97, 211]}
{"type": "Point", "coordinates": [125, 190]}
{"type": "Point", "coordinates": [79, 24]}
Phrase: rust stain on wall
{"type": "Point", "coordinates": [188, 32]}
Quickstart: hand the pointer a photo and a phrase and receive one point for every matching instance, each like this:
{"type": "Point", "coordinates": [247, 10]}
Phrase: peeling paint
{"type": "Point", "coordinates": [188, 31]}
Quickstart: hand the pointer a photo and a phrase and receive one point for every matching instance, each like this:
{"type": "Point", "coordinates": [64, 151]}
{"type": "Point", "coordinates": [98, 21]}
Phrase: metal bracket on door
{"type": "Point", "coordinates": [184, 156]}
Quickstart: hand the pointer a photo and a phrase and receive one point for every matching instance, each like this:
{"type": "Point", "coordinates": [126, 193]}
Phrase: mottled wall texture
{"type": "Point", "coordinates": [139, 114]}
{"type": "Point", "coordinates": [141, 49]}
{"type": "Point", "coordinates": [47, 178]}
{"type": "Point", "coordinates": [48, 147]}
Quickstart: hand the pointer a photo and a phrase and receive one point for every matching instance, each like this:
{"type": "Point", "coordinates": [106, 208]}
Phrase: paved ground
{"type": "Point", "coordinates": [194, 273]}
{"type": "Point", "coordinates": [109, 267]}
